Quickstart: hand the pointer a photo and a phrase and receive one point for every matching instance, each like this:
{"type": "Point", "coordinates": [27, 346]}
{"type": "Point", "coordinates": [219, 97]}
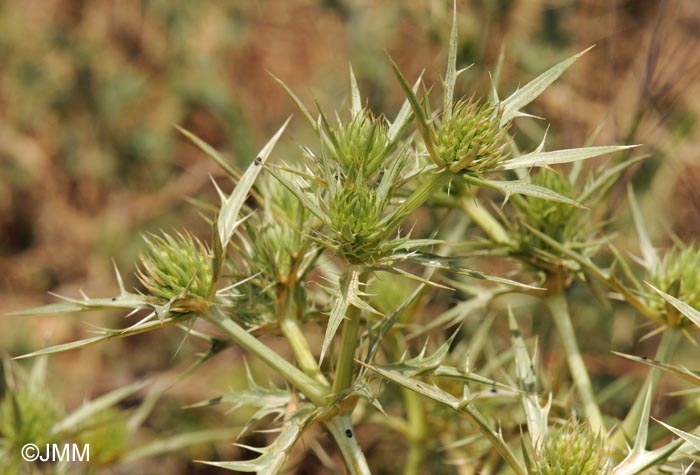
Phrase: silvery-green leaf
{"type": "Point", "coordinates": [535, 414]}
{"type": "Point", "coordinates": [678, 370]}
{"type": "Point", "coordinates": [451, 73]}
{"type": "Point", "coordinates": [649, 254]}
{"type": "Point", "coordinates": [543, 159]}
{"type": "Point", "coordinates": [692, 439]}
{"type": "Point", "coordinates": [107, 334]}
{"type": "Point", "coordinates": [176, 443]}
{"type": "Point", "coordinates": [424, 127]}
{"type": "Point", "coordinates": [272, 457]}
{"type": "Point", "coordinates": [72, 421]}
{"type": "Point", "coordinates": [523, 188]}
{"type": "Point", "coordinates": [348, 293]}
{"type": "Point", "coordinates": [356, 100]}
{"type": "Point", "coordinates": [229, 219]}
{"type": "Point", "coordinates": [689, 312]}
{"type": "Point", "coordinates": [210, 151]}
{"type": "Point", "coordinates": [70, 305]}
{"type": "Point", "coordinates": [510, 107]}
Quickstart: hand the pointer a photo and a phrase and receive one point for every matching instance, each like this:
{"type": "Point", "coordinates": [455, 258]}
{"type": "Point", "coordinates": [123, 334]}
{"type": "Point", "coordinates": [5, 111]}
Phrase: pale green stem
{"type": "Point", "coordinates": [291, 329]}
{"type": "Point", "coordinates": [315, 391]}
{"type": "Point", "coordinates": [670, 339]}
{"type": "Point", "coordinates": [476, 419]}
{"type": "Point", "coordinates": [413, 405]}
{"type": "Point", "coordinates": [480, 215]}
{"type": "Point", "coordinates": [345, 367]}
{"type": "Point", "coordinates": [340, 427]}
{"type": "Point", "coordinates": [559, 309]}
{"type": "Point", "coordinates": [300, 347]}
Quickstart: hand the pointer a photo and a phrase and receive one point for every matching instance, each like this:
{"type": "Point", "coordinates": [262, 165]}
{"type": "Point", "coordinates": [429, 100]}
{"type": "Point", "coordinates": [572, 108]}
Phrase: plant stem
{"type": "Point", "coordinates": [348, 345]}
{"type": "Point", "coordinates": [339, 427]}
{"type": "Point", "coordinates": [416, 427]}
{"type": "Point", "coordinates": [670, 339]}
{"type": "Point", "coordinates": [559, 309]}
{"type": "Point", "coordinates": [300, 346]}
{"type": "Point", "coordinates": [480, 215]}
{"type": "Point", "coordinates": [315, 391]}
{"type": "Point", "coordinates": [289, 325]}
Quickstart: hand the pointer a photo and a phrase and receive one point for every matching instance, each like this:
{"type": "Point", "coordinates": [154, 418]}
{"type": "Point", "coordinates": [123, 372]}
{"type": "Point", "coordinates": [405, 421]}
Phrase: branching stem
{"type": "Point", "coordinates": [559, 308]}
{"type": "Point", "coordinates": [315, 391]}
{"type": "Point", "coordinates": [348, 345]}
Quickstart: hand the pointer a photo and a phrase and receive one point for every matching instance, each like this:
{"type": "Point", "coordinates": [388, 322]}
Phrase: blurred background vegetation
{"type": "Point", "coordinates": [89, 157]}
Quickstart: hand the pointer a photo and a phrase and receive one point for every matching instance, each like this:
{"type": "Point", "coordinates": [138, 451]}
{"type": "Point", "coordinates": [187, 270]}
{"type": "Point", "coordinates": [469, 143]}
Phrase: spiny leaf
{"type": "Point", "coordinates": [678, 370]}
{"type": "Point", "coordinates": [228, 219]}
{"type": "Point", "coordinates": [210, 151]}
{"type": "Point", "coordinates": [510, 107]}
{"type": "Point", "coordinates": [451, 73]}
{"type": "Point", "coordinates": [348, 293]}
{"type": "Point", "coordinates": [176, 443]}
{"type": "Point", "coordinates": [691, 439]}
{"type": "Point", "coordinates": [71, 422]}
{"type": "Point", "coordinates": [70, 305]}
{"type": "Point", "coordinates": [424, 127]}
{"type": "Point", "coordinates": [535, 414]}
{"type": "Point", "coordinates": [689, 312]}
{"type": "Point", "coordinates": [272, 457]}
{"type": "Point", "coordinates": [463, 405]}
{"type": "Point", "coordinates": [108, 334]}
{"type": "Point", "coordinates": [648, 252]}
{"type": "Point", "coordinates": [523, 188]}
{"type": "Point", "coordinates": [543, 159]}
{"type": "Point", "coordinates": [356, 100]}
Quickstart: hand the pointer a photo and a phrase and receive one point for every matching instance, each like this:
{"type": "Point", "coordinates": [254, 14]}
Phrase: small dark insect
{"type": "Point", "coordinates": [258, 161]}
{"type": "Point", "coordinates": [494, 390]}
{"type": "Point", "coordinates": [114, 299]}
{"type": "Point", "coordinates": [644, 357]}
{"type": "Point", "coordinates": [348, 433]}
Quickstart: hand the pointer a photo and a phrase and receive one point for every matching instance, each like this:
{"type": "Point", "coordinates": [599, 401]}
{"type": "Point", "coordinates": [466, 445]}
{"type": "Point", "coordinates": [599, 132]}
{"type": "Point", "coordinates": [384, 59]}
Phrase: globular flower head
{"type": "Point", "coordinates": [573, 449]}
{"type": "Point", "coordinates": [177, 270]}
{"type": "Point", "coordinates": [562, 222]}
{"type": "Point", "coordinates": [472, 138]}
{"type": "Point", "coordinates": [27, 415]}
{"type": "Point", "coordinates": [676, 274]}
{"type": "Point", "coordinates": [355, 213]}
{"type": "Point", "coordinates": [361, 144]}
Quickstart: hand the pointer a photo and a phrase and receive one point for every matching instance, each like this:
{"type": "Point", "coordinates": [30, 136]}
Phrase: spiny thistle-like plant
{"type": "Point", "coordinates": [572, 449]}
{"type": "Point", "coordinates": [310, 245]}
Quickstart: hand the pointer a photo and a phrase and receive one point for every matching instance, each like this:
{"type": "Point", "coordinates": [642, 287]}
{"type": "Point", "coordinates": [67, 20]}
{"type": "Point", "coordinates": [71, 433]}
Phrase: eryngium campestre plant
{"type": "Point", "coordinates": [177, 271]}
{"type": "Point", "coordinates": [471, 139]}
{"type": "Point", "coordinates": [572, 449]}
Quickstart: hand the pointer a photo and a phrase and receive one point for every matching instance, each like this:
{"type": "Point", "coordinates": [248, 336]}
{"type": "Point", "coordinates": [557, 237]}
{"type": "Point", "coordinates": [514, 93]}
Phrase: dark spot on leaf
{"type": "Point", "coordinates": [114, 299]}
{"type": "Point", "coordinates": [348, 433]}
{"type": "Point", "coordinates": [494, 390]}
{"type": "Point", "coordinates": [258, 161]}
{"type": "Point", "coordinates": [644, 358]}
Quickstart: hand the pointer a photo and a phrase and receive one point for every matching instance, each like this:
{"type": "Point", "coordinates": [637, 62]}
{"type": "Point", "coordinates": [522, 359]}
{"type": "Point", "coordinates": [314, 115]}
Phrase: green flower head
{"type": "Point", "coordinates": [177, 270]}
{"type": "Point", "coordinates": [572, 449]}
{"type": "Point", "coordinates": [472, 138]}
{"type": "Point", "coordinates": [676, 274]}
